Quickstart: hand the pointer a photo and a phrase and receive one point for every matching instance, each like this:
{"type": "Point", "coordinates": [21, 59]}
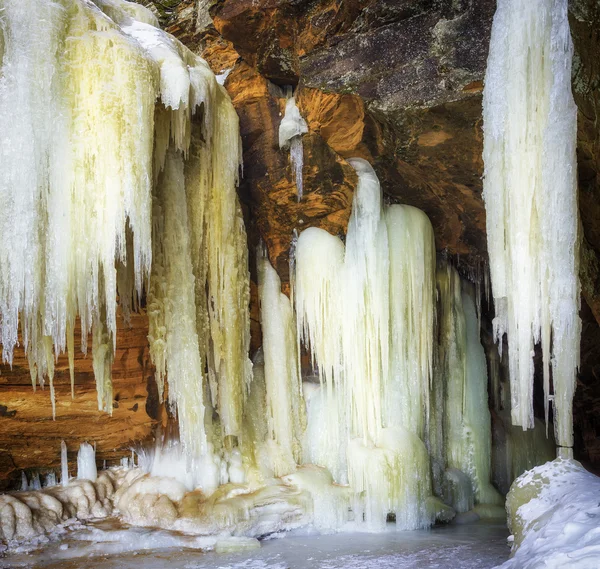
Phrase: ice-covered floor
{"type": "Point", "coordinates": [475, 546]}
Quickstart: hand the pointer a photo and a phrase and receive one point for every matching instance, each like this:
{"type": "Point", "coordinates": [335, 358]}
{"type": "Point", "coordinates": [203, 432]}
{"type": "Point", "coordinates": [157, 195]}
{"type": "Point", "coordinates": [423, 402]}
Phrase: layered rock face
{"type": "Point", "coordinates": [397, 82]}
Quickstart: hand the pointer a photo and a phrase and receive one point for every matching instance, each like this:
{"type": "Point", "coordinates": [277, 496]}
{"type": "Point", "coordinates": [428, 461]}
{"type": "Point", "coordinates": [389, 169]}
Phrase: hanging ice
{"type": "Point", "coordinates": [200, 252]}
{"type": "Point", "coordinates": [77, 116]}
{"type": "Point", "coordinates": [531, 201]}
{"type": "Point", "coordinates": [291, 129]}
{"type": "Point", "coordinates": [90, 111]}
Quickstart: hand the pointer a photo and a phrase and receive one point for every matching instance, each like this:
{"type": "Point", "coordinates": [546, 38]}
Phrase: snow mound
{"type": "Point", "coordinates": [554, 514]}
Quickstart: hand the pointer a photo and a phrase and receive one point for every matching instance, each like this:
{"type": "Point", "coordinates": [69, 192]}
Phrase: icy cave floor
{"type": "Point", "coordinates": [107, 545]}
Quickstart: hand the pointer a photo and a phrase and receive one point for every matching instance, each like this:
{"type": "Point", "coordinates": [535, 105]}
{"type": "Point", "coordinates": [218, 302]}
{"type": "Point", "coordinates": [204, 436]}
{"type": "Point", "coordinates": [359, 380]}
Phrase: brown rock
{"type": "Point", "coordinates": [29, 438]}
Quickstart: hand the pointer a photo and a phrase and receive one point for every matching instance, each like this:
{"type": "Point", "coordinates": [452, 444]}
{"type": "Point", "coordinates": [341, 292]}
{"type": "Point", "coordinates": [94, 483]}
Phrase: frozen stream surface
{"type": "Point", "coordinates": [474, 546]}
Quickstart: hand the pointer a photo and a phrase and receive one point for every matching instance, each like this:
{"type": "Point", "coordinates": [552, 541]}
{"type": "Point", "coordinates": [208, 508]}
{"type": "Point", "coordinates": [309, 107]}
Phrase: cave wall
{"type": "Point", "coordinates": [398, 82]}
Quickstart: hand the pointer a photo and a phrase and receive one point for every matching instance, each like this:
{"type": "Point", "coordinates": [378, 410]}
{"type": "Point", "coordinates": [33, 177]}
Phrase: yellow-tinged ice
{"type": "Point", "coordinates": [531, 202]}
{"type": "Point", "coordinates": [91, 110]}
{"type": "Point", "coordinates": [284, 400]}
{"type": "Point", "coordinates": [77, 117]}
{"type": "Point", "coordinates": [367, 315]}
{"type": "Point", "coordinates": [412, 318]}
{"type": "Point", "coordinates": [172, 274]}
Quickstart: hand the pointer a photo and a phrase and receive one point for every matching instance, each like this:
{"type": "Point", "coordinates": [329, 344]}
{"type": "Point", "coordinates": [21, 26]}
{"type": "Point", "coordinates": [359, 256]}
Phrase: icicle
{"type": "Point", "coordinates": [76, 112]}
{"type": "Point", "coordinates": [291, 129]}
{"type": "Point", "coordinates": [64, 464]}
{"type": "Point", "coordinates": [283, 386]}
{"type": "Point", "coordinates": [531, 201]}
{"type": "Point", "coordinates": [71, 356]}
{"type": "Point", "coordinates": [102, 350]}
{"type": "Point", "coordinates": [182, 353]}
{"type": "Point", "coordinates": [86, 463]}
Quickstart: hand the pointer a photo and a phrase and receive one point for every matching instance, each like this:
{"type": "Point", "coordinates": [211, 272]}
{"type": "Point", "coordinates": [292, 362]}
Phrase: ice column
{"type": "Point", "coordinates": [86, 463]}
{"type": "Point", "coordinates": [319, 264]}
{"type": "Point", "coordinates": [461, 384]}
{"type": "Point", "coordinates": [284, 401]}
{"type": "Point", "coordinates": [367, 417]}
{"type": "Point", "coordinates": [531, 201]}
{"type": "Point", "coordinates": [64, 464]}
{"type": "Point", "coordinates": [412, 317]}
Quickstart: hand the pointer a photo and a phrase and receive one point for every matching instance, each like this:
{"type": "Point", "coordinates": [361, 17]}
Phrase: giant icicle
{"type": "Point", "coordinates": [86, 144]}
{"type": "Point", "coordinates": [531, 202]}
{"type": "Point", "coordinates": [76, 110]}
{"type": "Point", "coordinates": [361, 313]}
{"type": "Point", "coordinates": [291, 129]}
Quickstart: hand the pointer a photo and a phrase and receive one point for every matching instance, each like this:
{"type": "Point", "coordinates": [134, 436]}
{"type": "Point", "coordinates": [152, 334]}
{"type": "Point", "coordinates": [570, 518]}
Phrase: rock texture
{"type": "Point", "coordinates": [30, 439]}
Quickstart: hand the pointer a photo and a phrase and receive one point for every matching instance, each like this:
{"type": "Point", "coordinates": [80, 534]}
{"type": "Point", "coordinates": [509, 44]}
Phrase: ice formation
{"type": "Point", "coordinates": [117, 172]}
{"type": "Point", "coordinates": [461, 397]}
{"type": "Point", "coordinates": [531, 202]}
{"type": "Point", "coordinates": [64, 464]}
{"type": "Point", "coordinates": [76, 162]}
{"type": "Point", "coordinates": [291, 129]}
{"type": "Point", "coordinates": [200, 257]}
{"type": "Point", "coordinates": [367, 314]}
{"type": "Point", "coordinates": [86, 463]}
{"type": "Point", "coordinates": [283, 387]}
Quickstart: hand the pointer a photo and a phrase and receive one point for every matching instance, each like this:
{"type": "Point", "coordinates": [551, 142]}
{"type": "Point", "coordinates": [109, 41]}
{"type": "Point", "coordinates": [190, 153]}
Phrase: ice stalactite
{"type": "Point", "coordinates": [97, 114]}
{"type": "Point", "coordinates": [200, 254]}
{"type": "Point", "coordinates": [531, 202]}
{"type": "Point", "coordinates": [77, 116]}
{"type": "Point", "coordinates": [291, 129]}
{"type": "Point", "coordinates": [181, 346]}
{"type": "Point", "coordinates": [283, 388]}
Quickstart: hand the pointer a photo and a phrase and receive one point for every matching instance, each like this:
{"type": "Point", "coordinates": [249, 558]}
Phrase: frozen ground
{"type": "Point", "coordinates": [476, 546]}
